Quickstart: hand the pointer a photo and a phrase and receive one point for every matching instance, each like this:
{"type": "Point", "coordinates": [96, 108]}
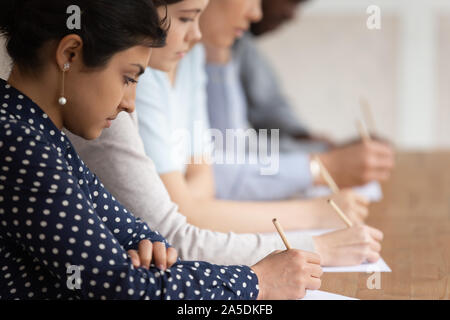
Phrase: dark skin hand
{"type": "Point", "coordinates": [359, 163]}
{"type": "Point", "coordinates": [155, 252]}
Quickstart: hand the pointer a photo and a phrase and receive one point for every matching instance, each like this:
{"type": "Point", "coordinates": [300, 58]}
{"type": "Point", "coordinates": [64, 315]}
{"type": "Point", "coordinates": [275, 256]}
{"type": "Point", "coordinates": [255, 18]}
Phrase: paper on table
{"type": "Point", "coordinates": [371, 191]}
{"type": "Point", "coordinates": [322, 295]}
{"type": "Point", "coordinates": [379, 266]}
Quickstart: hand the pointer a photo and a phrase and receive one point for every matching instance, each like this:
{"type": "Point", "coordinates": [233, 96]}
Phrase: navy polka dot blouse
{"type": "Point", "coordinates": [63, 236]}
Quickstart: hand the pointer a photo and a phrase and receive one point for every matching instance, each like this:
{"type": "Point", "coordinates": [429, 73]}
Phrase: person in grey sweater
{"type": "Point", "coordinates": [244, 92]}
{"type": "Point", "coordinates": [263, 93]}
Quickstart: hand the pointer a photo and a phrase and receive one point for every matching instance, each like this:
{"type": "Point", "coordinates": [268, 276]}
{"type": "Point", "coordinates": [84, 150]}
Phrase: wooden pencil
{"type": "Point", "coordinates": [327, 176]}
{"type": "Point", "coordinates": [340, 213]}
{"type": "Point", "coordinates": [368, 114]}
{"type": "Point", "coordinates": [282, 234]}
{"type": "Point", "coordinates": [363, 132]}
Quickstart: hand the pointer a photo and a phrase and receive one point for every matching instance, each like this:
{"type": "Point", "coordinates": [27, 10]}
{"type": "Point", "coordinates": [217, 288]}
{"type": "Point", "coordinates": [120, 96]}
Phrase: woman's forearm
{"type": "Point", "coordinates": [250, 217]}
{"type": "Point", "coordinates": [242, 217]}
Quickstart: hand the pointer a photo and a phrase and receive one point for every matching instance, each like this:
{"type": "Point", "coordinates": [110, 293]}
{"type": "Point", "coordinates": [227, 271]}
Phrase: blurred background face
{"type": "Point", "coordinates": [276, 13]}
{"type": "Point", "coordinates": [183, 34]}
{"type": "Point", "coordinates": [226, 20]}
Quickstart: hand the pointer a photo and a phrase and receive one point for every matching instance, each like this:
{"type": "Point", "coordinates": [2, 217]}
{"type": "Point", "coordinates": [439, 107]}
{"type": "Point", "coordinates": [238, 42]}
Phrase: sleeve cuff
{"type": "Point", "coordinates": [251, 292]}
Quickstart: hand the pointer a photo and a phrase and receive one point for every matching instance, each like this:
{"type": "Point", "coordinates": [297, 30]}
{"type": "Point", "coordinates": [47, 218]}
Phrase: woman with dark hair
{"type": "Point", "coordinates": [55, 215]}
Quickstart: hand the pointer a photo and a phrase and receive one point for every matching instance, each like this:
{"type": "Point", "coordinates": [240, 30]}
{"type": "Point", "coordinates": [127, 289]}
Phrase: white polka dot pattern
{"type": "Point", "coordinates": [54, 213]}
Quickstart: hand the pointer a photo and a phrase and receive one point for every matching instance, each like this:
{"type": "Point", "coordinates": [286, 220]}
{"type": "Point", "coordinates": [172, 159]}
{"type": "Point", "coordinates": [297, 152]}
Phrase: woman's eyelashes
{"type": "Point", "coordinates": [186, 20]}
{"type": "Point", "coordinates": [128, 80]}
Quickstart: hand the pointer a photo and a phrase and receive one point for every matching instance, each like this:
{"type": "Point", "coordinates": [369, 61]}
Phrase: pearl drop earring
{"type": "Point", "coordinates": [62, 100]}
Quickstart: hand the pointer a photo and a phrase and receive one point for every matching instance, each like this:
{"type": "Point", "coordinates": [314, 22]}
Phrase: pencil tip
{"type": "Point", "coordinates": [274, 220]}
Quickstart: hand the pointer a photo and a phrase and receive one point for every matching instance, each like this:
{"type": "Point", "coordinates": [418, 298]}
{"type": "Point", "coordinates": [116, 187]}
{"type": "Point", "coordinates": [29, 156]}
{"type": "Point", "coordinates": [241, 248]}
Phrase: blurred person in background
{"type": "Point", "coordinates": [254, 99]}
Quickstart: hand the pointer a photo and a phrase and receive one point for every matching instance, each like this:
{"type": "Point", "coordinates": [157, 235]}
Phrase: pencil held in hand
{"type": "Point", "coordinates": [363, 132]}
{"type": "Point", "coordinates": [340, 213]}
{"type": "Point", "coordinates": [368, 125]}
{"type": "Point", "coordinates": [281, 233]}
{"type": "Point", "coordinates": [327, 176]}
{"type": "Point", "coordinates": [366, 110]}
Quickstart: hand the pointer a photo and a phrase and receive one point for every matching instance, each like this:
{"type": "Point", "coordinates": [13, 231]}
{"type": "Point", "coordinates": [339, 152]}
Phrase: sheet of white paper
{"type": "Point", "coordinates": [322, 295]}
{"type": "Point", "coordinates": [371, 191]}
{"type": "Point", "coordinates": [379, 266]}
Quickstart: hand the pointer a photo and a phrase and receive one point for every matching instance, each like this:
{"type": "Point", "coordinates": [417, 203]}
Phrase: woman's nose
{"type": "Point", "coordinates": [128, 102]}
{"type": "Point", "coordinates": [195, 35]}
{"type": "Point", "coordinates": [255, 13]}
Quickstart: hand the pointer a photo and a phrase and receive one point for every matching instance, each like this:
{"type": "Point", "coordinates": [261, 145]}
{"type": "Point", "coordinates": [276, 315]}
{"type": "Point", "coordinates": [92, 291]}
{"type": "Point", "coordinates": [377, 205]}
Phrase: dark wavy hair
{"type": "Point", "coordinates": [260, 28]}
{"type": "Point", "coordinates": [107, 27]}
{"type": "Point", "coordinates": [165, 2]}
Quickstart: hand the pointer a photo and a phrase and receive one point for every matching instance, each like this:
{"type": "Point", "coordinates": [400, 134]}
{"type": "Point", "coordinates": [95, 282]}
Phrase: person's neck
{"type": "Point", "coordinates": [38, 91]}
{"type": "Point", "coordinates": [172, 75]}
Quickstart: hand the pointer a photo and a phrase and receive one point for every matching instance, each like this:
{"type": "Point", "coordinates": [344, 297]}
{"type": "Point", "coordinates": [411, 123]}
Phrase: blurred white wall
{"type": "Point", "coordinates": [328, 58]}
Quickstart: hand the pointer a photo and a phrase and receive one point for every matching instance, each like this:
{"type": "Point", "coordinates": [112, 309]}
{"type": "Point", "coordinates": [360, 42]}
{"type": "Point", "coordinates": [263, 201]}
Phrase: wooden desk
{"type": "Point", "coordinates": [415, 219]}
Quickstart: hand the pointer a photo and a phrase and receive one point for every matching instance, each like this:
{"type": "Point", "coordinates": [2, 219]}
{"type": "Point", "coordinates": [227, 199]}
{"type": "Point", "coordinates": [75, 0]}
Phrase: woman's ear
{"type": "Point", "coordinates": [69, 50]}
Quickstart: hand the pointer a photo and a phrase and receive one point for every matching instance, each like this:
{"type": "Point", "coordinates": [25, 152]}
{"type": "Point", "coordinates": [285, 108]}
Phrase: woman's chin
{"type": "Point", "coordinates": [228, 43]}
{"type": "Point", "coordinates": [92, 134]}
{"type": "Point", "coordinates": [165, 67]}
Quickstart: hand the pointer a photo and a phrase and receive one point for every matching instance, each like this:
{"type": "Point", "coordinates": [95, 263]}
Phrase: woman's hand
{"type": "Point", "coordinates": [355, 207]}
{"type": "Point", "coordinates": [156, 252]}
{"type": "Point", "coordinates": [351, 246]}
{"type": "Point", "coordinates": [359, 163]}
{"type": "Point", "coordinates": [288, 274]}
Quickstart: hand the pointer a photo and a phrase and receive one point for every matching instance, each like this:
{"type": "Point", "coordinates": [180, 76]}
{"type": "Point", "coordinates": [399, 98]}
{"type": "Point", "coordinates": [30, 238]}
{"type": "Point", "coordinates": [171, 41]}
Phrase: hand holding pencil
{"type": "Point", "coordinates": [359, 163]}
{"type": "Point", "coordinates": [349, 246]}
{"type": "Point", "coordinates": [288, 274]}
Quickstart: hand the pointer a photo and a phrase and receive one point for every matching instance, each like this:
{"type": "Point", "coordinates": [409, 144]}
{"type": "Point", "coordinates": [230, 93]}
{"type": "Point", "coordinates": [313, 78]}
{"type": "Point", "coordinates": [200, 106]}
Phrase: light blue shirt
{"type": "Point", "coordinates": [228, 109]}
{"type": "Point", "coordinates": [173, 119]}
{"type": "Point", "coordinates": [173, 123]}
